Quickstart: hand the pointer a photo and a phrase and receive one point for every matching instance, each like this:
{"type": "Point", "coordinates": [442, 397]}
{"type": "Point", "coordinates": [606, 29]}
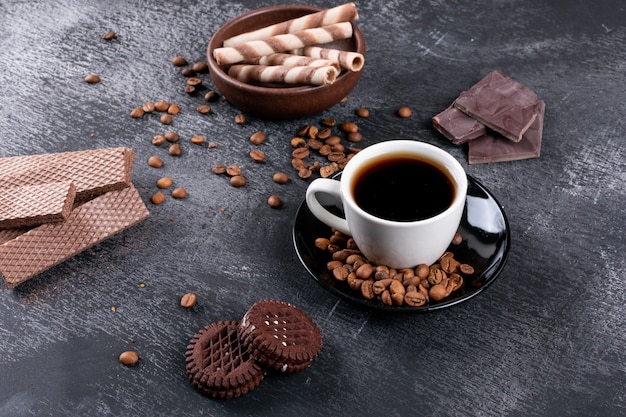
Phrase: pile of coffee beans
{"type": "Point", "coordinates": [410, 287]}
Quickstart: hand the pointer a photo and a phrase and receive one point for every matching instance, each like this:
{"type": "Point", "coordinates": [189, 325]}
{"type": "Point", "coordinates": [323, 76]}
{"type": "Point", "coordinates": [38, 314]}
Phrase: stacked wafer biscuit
{"type": "Point", "coordinates": [54, 206]}
{"type": "Point", "coordinates": [289, 52]}
{"type": "Point", "coordinates": [499, 118]}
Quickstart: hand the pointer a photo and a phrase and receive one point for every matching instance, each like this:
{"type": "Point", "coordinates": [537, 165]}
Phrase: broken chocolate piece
{"type": "Point", "coordinates": [501, 104]}
{"type": "Point", "coordinates": [32, 205]}
{"type": "Point", "coordinates": [50, 244]}
{"type": "Point", "coordinates": [494, 148]}
{"type": "Point", "coordinates": [458, 126]}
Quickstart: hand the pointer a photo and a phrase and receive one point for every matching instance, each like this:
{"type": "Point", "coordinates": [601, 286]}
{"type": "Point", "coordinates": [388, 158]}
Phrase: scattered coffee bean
{"type": "Point", "coordinates": [238, 181]}
{"type": "Point", "coordinates": [404, 112]}
{"type": "Point", "coordinates": [329, 122]}
{"type": "Point", "coordinates": [240, 119]}
{"type": "Point", "coordinates": [158, 140]}
{"type": "Point", "coordinates": [129, 358]}
{"type": "Point", "coordinates": [188, 72]}
{"type": "Point", "coordinates": [109, 35]}
{"type": "Point", "coordinates": [280, 178]}
{"type": "Point", "coordinates": [171, 137]}
{"type": "Point", "coordinates": [190, 89]}
{"type": "Point", "coordinates": [274, 201]}
{"type": "Point", "coordinates": [298, 142]}
{"type": "Point", "coordinates": [179, 193]}
{"type": "Point", "coordinates": [257, 138]}
{"type": "Point", "coordinates": [211, 96]}
{"type": "Point", "coordinates": [200, 67]}
{"type": "Point", "coordinates": [137, 113]}
{"type": "Point", "coordinates": [349, 127]}
{"type": "Point", "coordinates": [166, 119]}
{"type": "Point", "coordinates": [179, 61]}
{"type": "Point", "coordinates": [157, 198]}
{"type": "Point", "coordinates": [188, 300]}
{"type": "Point", "coordinates": [197, 139]}
{"type": "Point", "coordinates": [212, 144]}
{"type": "Point", "coordinates": [148, 107]}
{"type": "Point", "coordinates": [362, 112]}
{"type": "Point", "coordinates": [175, 150]}
{"type": "Point", "coordinates": [457, 239]}
{"type": "Point", "coordinates": [300, 153]}
{"type": "Point", "coordinates": [173, 109]}
{"type": "Point", "coordinates": [219, 169]}
{"type": "Point", "coordinates": [194, 81]}
{"type": "Point", "coordinates": [161, 105]}
{"type": "Point", "coordinates": [233, 170]}
{"type": "Point", "coordinates": [92, 79]}
{"type": "Point", "coordinates": [165, 182]}
{"type": "Point", "coordinates": [257, 155]}
{"type": "Point", "coordinates": [155, 162]}
{"type": "Point", "coordinates": [354, 137]}
{"type": "Point", "coordinates": [204, 109]}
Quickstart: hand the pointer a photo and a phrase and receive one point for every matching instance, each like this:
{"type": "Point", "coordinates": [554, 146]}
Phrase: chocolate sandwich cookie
{"type": "Point", "coordinates": [218, 365]}
{"type": "Point", "coordinates": [280, 336]}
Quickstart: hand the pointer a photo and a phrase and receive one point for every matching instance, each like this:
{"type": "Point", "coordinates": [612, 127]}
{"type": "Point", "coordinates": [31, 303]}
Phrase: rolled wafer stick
{"type": "Point", "coordinates": [292, 60]}
{"type": "Point", "coordinates": [344, 13]}
{"type": "Point", "coordinates": [32, 205]}
{"type": "Point", "coordinates": [282, 43]}
{"type": "Point", "coordinates": [351, 61]}
{"type": "Point", "coordinates": [279, 74]}
{"type": "Point", "coordinates": [48, 245]}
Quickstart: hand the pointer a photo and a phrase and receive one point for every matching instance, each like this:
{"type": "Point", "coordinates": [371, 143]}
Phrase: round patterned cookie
{"type": "Point", "coordinates": [218, 365]}
{"type": "Point", "coordinates": [280, 336]}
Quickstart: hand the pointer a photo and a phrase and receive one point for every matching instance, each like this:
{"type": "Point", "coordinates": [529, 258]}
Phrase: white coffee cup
{"type": "Point", "coordinates": [396, 244]}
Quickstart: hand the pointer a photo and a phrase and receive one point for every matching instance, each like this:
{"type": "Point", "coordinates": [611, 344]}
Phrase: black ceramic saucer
{"type": "Point", "coordinates": [486, 241]}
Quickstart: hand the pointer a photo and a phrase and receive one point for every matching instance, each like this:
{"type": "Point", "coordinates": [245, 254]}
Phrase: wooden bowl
{"type": "Point", "coordinates": [280, 102]}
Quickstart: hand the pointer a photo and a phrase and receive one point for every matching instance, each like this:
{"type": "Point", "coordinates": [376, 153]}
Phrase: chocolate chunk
{"type": "Point", "coordinates": [458, 126]}
{"type": "Point", "coordinates": [494, 148]}
{"type": "Point", "coordinates": [501, 104]}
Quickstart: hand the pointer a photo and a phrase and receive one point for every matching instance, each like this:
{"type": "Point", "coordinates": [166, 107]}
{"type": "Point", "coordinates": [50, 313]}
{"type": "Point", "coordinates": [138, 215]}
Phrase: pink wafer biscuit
{"type": "Point", "coordinates": [50, 244]}
{"type": "Point", "coordinates": [32, 205]}
{"type": "Point", "coordinates": [94, 172]}
{"type": "Point", "coordinates": [281, 43]}
{"type": "Point", "coordinates": [8, 234]}
{"type": "Point", "coordinates": [343, 13]}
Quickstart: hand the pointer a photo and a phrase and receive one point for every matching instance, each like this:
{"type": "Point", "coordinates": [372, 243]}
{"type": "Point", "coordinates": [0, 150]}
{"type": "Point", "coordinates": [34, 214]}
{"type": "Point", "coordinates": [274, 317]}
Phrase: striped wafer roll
{"type": "Point", "coordinates": [292, 60]}
{"type": "Point", "coordinates": [351, 61]}
{"type": "Point", "coordinates": [279, 74]}
{"type": "Point", "coordinates": [282, 43]}
{"type": "Point", "coordinates": [343, 13]}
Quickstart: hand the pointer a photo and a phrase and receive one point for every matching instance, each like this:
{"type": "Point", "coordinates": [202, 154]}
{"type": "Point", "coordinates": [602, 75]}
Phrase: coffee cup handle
{"type": "Point", "coordinates": [331, 188]}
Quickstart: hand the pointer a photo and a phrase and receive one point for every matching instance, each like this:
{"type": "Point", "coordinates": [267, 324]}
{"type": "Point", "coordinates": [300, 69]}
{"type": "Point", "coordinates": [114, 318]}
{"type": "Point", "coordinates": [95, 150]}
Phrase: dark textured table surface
{"type": "Point", "coordinates": [545, 339]}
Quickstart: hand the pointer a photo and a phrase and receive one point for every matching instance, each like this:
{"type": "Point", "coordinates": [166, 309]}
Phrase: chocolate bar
{"type": "Point", "coordinates": [50, 244]}
{"type": "Point", "coordinates": [501, 104]}
{"type": "Point", "coordinates": [94, 172]}
{"type": "Point", "coordinates": [32, 205]}
{"type": "Point", "coordinates": [458, 126]}
{"type": "Point", "coordinates": [494, 148]}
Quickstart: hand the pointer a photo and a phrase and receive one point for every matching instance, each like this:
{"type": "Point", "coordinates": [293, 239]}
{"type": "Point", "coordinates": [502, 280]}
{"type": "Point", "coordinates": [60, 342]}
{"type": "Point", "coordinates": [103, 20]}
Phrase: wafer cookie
{"type": "Point", "coordinates": [280, 74]}
{"type": "Point", "coordinates": [351, 61]}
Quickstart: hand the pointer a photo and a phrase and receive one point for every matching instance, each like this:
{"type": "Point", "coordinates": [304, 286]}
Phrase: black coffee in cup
{"type": "Point", "coordinates": [402, 188]}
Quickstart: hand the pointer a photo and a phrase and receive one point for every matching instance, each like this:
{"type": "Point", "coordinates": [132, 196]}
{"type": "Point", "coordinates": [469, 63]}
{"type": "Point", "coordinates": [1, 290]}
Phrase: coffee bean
{"type": "Point", "coordinates": [212, 144]}
{"type": "Point", "coordinates": [188, 300]}
{"type": "Point", "coordinates": [173, 109]}
{"type": "Point", "coordinates": [161, 105]}
{"type": "Point", "coordinates": [298, 164]}
{"type": "Point", "coordinates": [422, 271]}
{"type": "Point", "coordinates": [200, 67]}
{"type": "Point", "coordinates": [322, 243]}
{"type": "Point", "coordinates": [404, 112]}
{"type": "Point", "coordinates": [466, 269]}
{"type": "Point", "coordinates": [137, 113]}
{"type": "Point", "coordinates": [240, 119]}
{"type": "Point", "coordinates": [367, 289]}
{"type": "Point", "coordinates": [197, 139]}
{"type": "Point", "coordinates": [329, 122]}
{"type": "Point", "coordinates": [188, 72]}
{"type": "Point", "coordinates": [157, 198]}
{"type": "Point", "coordinates": [92, 79]}
{"type": "Point", "coordinates": [233, 170]}
{"type": "Point", "coordinates": [354, 137]}
{"type": "Point", "coordinates": [166, 119]}
{"type": "Point", "coordinates": [280, 178]}
{"type": "Point", "coordinates": [257, 138]}
{"type": "Point", "coordinates": [158, 140]}
{"type": "Point", "coordinates": [171, 137]}
{"type": "Point", "coordinates": [349, 127]}
{"type": "Point", "coordinates": [437, 292]}
{"type": "Point", "coordinates": [300, 153]}
{"type": "Point", "coordinates": [155, 162]}
{"type": "Point", "coordinates": [414, 299]}
{"type": "Point", "coordinates": [238, 181]}
{"type": "Point", "coordinates": [165, 182]}
{"type": "Point", "coordinates": [211, 96]}
{"type": "Point", "coordinates": [298, 142]}
{"type": "Point", "coordinates": [457, 239]}
{"type": "Point", "coordinates": [179, 61]}
{"type": "Point", "coordinates": [109, 35]}
{"type": "Point", "coordinates": [129, 358]}
{"type": "Point", "coordinates": [194, 81]}
{"type": "Point", "coordinates": [175, 150]}
{"type": "Point", "coordinates": [365, 271]}
{"type": "Point", "coordinates": [190, 89]}
{"type": "Point", "coordinates": [219, 169]}
{"type": "Point", "coordinates": [326, 171]}
{"type": "Point", "coordinates": [274, 201]}
{"type": "Point", "coordinates": [257, 155]}
{"type": "Point", "coordinates": [179, 193]}
{"type": "Point", "coordinates": [148, 107]}
{"type": "Point", "coordinates": [362, 112]}
{"type": "Point", "coordinates": [204, 109]}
